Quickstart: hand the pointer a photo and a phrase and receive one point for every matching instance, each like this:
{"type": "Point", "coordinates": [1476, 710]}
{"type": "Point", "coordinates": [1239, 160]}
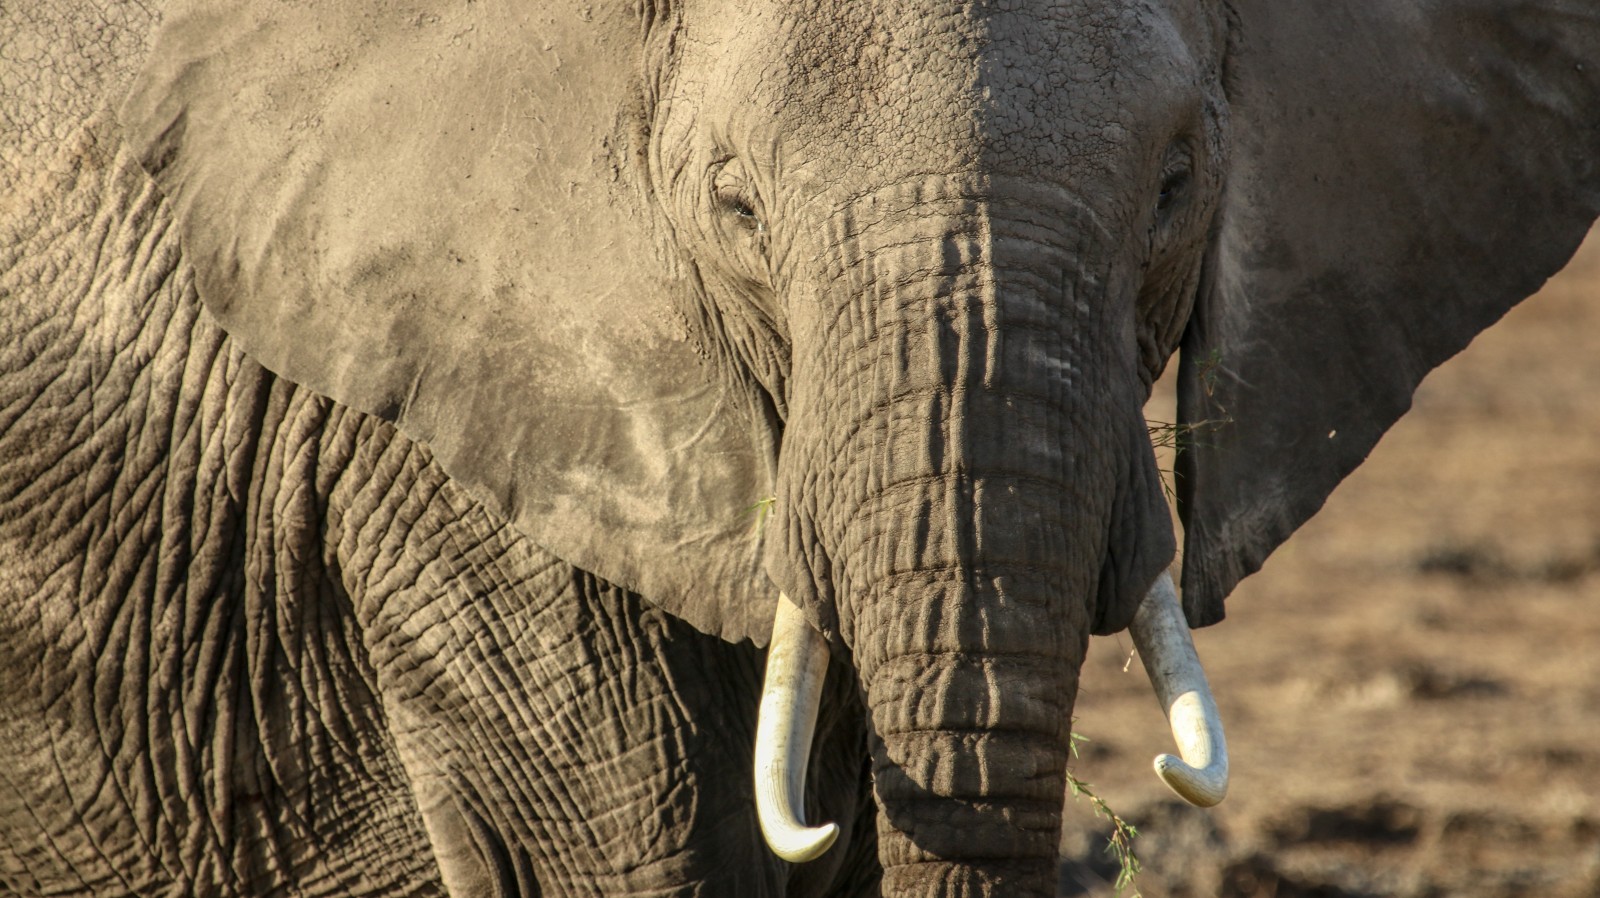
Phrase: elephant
{"type": "Point", "coordinates": [418, 420]}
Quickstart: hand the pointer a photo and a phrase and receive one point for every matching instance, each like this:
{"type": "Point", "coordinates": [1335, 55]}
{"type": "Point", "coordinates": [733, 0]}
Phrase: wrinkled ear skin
{"type": "Point", "coordinates": [1402, 174]}
{"type": "Point", "coordinates": [431, 215]}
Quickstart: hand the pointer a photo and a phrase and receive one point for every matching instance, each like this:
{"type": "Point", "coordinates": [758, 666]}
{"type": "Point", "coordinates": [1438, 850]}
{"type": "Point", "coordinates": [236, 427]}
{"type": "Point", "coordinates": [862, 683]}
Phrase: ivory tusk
{"type": "Point", "coordinates": [797, 662]}
{"type": "Point", "coordinates": [1162, 636]}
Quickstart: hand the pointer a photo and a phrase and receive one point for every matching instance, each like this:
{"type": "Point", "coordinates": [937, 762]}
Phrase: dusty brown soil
{"type": "Point", "coordinates": [1411, 686]}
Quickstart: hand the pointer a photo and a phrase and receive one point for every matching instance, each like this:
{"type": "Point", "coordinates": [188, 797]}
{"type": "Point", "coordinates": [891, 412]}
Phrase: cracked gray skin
{"type": "Point", "coordinates": [255, 638]}
{"type": "Point", "coordinates": [384, 394]}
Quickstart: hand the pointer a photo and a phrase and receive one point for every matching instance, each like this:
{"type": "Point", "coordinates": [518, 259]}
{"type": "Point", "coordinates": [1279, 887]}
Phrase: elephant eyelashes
{"type": "Point", "coordinates": [1172, 190]}
{"type": "Point", "coordinates": [736, 204]}
{"type": "Point", "coordinates": [731, 194]}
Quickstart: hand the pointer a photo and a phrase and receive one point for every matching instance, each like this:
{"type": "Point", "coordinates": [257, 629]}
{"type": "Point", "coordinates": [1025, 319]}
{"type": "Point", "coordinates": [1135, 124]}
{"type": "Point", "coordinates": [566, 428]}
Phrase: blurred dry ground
{"type": "Point", "coordinates": [1411, 686]}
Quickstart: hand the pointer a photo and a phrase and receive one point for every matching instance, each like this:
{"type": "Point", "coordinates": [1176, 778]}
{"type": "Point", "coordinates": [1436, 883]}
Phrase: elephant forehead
{"type": "Point", "coordinates": [952, 86]}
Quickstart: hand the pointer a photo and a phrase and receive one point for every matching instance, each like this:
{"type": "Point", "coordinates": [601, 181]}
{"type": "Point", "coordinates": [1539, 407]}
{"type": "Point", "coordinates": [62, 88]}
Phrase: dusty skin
{"type": "Point", "coordinates": [387, 390]}
{"type": "Point", "coordinates": [1411, 685]}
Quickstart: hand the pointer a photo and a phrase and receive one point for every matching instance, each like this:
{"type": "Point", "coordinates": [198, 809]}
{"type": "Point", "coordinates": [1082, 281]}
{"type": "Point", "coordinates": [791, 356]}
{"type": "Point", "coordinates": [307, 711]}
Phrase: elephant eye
{"type": "Point", "coordinates": [1172, 189]}
{"type": "Point", "coordinates": [737, 203]}
{"type": "Point", "coordinates": [732, 196]}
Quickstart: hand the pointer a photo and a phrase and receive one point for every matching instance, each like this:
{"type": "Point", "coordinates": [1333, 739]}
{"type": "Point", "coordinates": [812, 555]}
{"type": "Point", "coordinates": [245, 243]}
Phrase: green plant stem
{"type": "Point", "coordinates": [1120, 844]}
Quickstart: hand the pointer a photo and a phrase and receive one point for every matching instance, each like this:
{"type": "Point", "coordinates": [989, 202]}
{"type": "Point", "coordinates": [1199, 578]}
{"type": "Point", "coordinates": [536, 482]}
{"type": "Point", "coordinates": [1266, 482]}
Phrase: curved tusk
{"type": "Point", "coordinates": [1162, 636]}
{"type": "Point", "coordinates": [797, 662]}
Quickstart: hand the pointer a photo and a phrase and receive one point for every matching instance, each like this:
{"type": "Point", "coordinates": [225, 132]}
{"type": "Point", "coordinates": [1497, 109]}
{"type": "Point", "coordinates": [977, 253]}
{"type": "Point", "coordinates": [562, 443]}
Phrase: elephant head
{"type": "Point", "coordinates": [903, 273]}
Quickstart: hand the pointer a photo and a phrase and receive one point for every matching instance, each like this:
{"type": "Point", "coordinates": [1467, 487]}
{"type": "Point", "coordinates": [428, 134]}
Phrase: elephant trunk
{"type": "Point", "coordinates": [956, 467]}
{"type": "Point", "coordinates": [972, 568]}
{"type": "Point", "coordinates": [969, 674]}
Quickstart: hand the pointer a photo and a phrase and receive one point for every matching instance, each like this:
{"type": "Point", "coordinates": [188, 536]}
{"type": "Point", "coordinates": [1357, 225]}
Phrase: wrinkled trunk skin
{"type": "Point", "coordinates": [970, 681]}
{"type": "Point", "coordinates": [958, 470]}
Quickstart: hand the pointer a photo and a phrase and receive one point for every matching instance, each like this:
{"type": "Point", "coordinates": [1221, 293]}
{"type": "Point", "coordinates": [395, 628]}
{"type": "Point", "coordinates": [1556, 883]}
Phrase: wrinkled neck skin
{"type": "Point", "coordinates": [949, 247]}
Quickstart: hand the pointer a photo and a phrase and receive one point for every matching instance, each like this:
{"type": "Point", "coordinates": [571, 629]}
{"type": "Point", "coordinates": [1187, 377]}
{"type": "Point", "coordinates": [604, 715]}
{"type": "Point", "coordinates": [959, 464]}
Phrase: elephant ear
{"type": "Point", "coordinates": [431, 215]}
{"type": "Point", "coordinates": [1402, 174]}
